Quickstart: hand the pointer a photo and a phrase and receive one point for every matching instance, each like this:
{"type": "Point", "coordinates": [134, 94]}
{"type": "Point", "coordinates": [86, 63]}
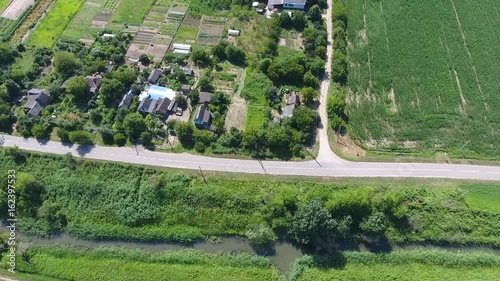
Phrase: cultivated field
{"type": "Point", "coordinates": [424, 76]}
{"type": "Point", "coordinates": [53, 25]}
{"type": "Point", "coordinates": [132, 11]}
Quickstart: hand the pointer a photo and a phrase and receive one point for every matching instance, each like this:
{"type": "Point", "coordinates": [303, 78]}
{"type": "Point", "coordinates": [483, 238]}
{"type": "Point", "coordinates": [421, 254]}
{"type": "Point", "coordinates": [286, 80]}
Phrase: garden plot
{"type": "Point", "coordinates": [16, 9]}
{"type": "Point", "coordinates": [82, 25]}
{"type": "Point", "coordinates": [211, 29]}
{"type": "Point", "coordinates": [101, 20]}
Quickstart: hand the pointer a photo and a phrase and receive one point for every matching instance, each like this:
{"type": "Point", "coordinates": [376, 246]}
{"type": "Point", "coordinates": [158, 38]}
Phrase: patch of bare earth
{"type": "Point", "coordinates": [237, 114]}
{"type": "Point", "coordinates": [392, 96]}
{"type": "Point", "coordinates": [348, 147]}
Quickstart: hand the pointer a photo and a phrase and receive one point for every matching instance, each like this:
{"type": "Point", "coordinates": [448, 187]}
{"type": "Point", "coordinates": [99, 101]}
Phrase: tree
{"type": "Point", "coordinates": [205, 83]}
{"type": "Point", "coordinates": [77, 86]}
{"type": "Point", "coordinates": [81, 137]}
{"type": "Point", "coordinates": [201, 57]}
{"type": "Point", "coordinates": [134, 124]}
{"type": "Point", "coordinates": [24, 125]}
{"type": "Point", "coordinates": [29, 194]}
{"type": "Point", "coordinates": [63, 134]}
{"type": "Point", "coordinates": [41, 130]}
{"type": "Point", "coordinates": [251, 138]}
{"type": "Point", "coordinates": [95, 116]}
{"type": "Point", "coordinates": [181, 101]}
{"type": "Point", "coordinates": [339, 12]}
{"type": "Point", "coordinates": [126, 75]}
{"type": "Point", "coordinates": [66, 63]}
{"type": "Point", "coordinates": [317, 67]}
{"type": "Point", "coordinates": [184, 132]}
{"type": "Point", "coordinates": [310, 80]}
{"type": "Point", "coordinates": [315, 13]}
{"type": "Point", "coordinates": [144, 59]}
{"type": "Point", "coordinates": [339, 67]}
{"type": "Point", "coordinates": [309, 94]}
{"type": "Point", "coordinates": [6, 118]}
{"type": "Point", "coordinates": [277, 137]}
{"type": "Point", "coordinates": [52, 213]}
{"type": "Point", "coordinates": [204, 136]}
{"type": "Point", "coordinates": [235, 55]}
{"type": "Point", "coordinates": [111, 90]}
{"type": "Point", "coordinates": [299, 20]}
{"type": "Point", "coordinates": [375, 224]}
{"type": "Point", "coordinates": [120, 139]}
{"type": "Point", "coordinates": [335, 106]}
{"type": "Point", "coordinates": [260, 235]}
{"type": "Point", "coordinates": [146, 138]}
{"type": "Point", "coordinates": [6, 54]}
{"type": "Point", "coordinates": [312, 224]}
{"type": "Point", "coordinates": [219, 50]}
{"type": "Point", "coordinates": [194, 96]}
{"type": "Point", "coordinates": [303, 119]}
{"type": "Point", "coordinates": [284, 20]}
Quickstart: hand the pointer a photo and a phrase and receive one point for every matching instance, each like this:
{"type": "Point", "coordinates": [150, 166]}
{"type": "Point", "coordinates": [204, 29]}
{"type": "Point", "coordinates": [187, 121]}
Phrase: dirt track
{"type": "Point", "coordinates": [16, 8]}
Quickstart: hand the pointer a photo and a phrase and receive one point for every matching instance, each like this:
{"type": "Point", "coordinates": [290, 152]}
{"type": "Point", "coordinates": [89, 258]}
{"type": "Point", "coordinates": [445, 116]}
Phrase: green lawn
{"type": "Point", "coordinates": [53, 25]}
{"type": "Point", "coordinates": [423, 76]}
{"type": "Point", "coordinates": [256, 84]}
{"type": "Point", "coordinates": [3, 4]}
{"type": "Point", "coordinates": [132, 11]}
{"type": "Point", "coordinates": [405, 266]}
{"type": "Point", "coordinates": [122, 265]}
{"type": "Point", "coordinates": [483, 197]}
{"type": "Point", "coordinates": [186, 34]}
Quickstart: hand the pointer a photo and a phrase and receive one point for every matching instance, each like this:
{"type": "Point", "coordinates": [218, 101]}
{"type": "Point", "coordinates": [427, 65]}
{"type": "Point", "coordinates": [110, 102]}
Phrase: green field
{"type": "Point", "coordinates": [64, 263]}
{"type": "Point", "coordinates": [132, 11]}
{"type": "Point", "coordinates": [81, 25]}
{"type": "Point", "coordinates": [186, 34]}
{"type": "Point", "coordinates": [255, 86]}
{"type": "Point", "coordinates": [424, 76]}
{"type": "Point", "coordinates": [3, 4]}
{"type": "Point", "coordinates": [53, 25]}
{"type": "Point", "coordinates": [405, 266]}
{"type": "Point", "coordinates": [483, 197]}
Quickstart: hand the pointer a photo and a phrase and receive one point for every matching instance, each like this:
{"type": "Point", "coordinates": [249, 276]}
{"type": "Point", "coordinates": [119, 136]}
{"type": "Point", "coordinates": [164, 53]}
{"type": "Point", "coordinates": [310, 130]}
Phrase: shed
{"type": "Point", "coordinates": [204, 97]}
{"type": "Point", "coordinates": [154, 76]}
{"type": "Point", "coordinates": [233, 32]}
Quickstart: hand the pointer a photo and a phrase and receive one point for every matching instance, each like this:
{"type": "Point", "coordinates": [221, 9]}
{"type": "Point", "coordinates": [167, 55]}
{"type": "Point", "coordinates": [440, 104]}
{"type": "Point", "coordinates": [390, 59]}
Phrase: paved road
{"type": "Point", "coordinates": [339, 168]}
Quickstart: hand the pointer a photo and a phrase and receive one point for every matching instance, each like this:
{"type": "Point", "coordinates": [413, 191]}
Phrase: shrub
{"type": "Point", "coordinates": [260, 235]}
{"type": "Point", "coordinates": [120, 139]}
{"type": "Point", "coordinates": [81, 137]}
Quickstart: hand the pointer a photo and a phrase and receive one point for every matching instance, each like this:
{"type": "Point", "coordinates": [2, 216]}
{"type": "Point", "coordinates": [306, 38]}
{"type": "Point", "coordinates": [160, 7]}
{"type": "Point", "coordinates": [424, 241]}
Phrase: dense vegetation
{"type": "Point", "coordinates": [66, 263]}
{"type": "Point", "coordinates": [422, 77]}
{"type": "Point", "coordinates": [408, 265]}
{"type": "Point", "coordinates": [96, 200]}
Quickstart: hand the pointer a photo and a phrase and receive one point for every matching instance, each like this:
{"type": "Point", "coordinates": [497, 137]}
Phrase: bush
{"type": "Point", "coordinates": [81, 137]}
{"type": "Point", "coordinates": [199, 147]}
{"type": "Point", "coordinates": [120, 139]}
{"type": "Point", "coordinates": [63, 134]}
{"type": "Point", "coordinates": [260, 235]}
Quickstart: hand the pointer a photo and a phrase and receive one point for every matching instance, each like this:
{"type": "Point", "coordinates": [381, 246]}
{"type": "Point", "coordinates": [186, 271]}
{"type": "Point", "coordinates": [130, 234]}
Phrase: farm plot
{"type": "Point", "coordinates": [211, 30]}
{"type": "Point", "coordinates": [81, 26]}
{"type": "Point", "coordinates": [16, 9]}
{"type": "Point", "coordinates": [24, 28]}
{"type": "Point", "coordinates": [53, 25]}
{"type": "Point", "coordinates": [424, 76]}
{"type": "Point", "coordinates": [188, 31]}
{"type": "Point", "coordinates": [132, 11]}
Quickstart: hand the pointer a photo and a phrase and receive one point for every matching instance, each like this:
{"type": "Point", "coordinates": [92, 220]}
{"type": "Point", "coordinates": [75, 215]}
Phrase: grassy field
{"type": "Point", "coordinates": [132, 11]}
{"type": "Point", "coordinates": [64, 263]}
{"type": "Point", "coordinates": [255, 86]}
{"type": "Point", "coordinates": [423, 76]}
{"type": "Point", "coordinates": [3, 4]}
{"type": "Point", "coordinates": [53, 25]}
{"type": "Point", "coordinates": [115, 201]}
{"type": "Point", "coordinates": [186, 34]}
{"type": "Point", "coordinates": [483, 197]}
{"type": "Point", "coordinates": [404, 266]}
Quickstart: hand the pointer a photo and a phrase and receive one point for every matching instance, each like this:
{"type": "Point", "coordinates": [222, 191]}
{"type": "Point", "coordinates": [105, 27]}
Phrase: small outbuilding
{"type": "Point", "coordinates": [233, 32]}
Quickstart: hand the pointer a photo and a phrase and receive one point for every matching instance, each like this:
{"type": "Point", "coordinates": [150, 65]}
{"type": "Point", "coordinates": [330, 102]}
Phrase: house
{"type": "Point", "coordinates": [292, 102]}
{"type": "Point", "coordinates": [94, 83]}
{"type": "Point", "coordinates": [203, 118]}
{"type": "Point", "coordinates": [187, 71]}
{"type": "Point", "coordinates": [157, 100]}
{"type": "Point", "coordinates": [286, 4]}
{"type": "Point", "coordinates": [155, 76]}
{"type": "Point", "coordinates": [185, 89]}
{"type": "Point", "coordinates": [126, 100]}
{"type": "Point", "coordinates": [204, 98]}
{"type": "Point", "coordinates": [37, 100]}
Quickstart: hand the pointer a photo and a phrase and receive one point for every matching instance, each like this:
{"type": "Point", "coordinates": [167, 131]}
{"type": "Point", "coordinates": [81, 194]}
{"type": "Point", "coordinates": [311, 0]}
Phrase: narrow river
{"type": "Point", "coordinates": [282, 253]}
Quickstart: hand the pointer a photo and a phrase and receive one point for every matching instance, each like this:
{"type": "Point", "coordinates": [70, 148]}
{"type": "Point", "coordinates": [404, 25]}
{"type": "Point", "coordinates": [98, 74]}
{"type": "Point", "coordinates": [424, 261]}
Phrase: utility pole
{"type": "Point", "coordinates": [201, 172]}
